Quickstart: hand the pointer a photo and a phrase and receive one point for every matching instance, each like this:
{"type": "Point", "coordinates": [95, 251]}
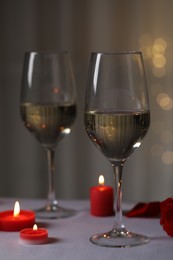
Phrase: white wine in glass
{"type": "Point", "coordinates": [117, 118]}
{"type": "Point", "coordinates": [48, 110]}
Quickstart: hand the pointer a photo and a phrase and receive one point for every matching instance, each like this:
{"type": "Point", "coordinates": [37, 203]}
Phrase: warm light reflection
{"type": "Point", "coordinates": [101, 180]}
{"type": "Point", "coordinates": [158, 48]}
{"type": "Point", "coordinates": [55, 90]}
{"type": "Point", "coordinates": [164, 101]}
{"type": "Point", "coordinates": [16, 209]}
{"type": "Point", "coordinates": [159, 72]}
{"type": "Point", "coordinates": [43, 126]}
{"type": "Point", "coordinates": [35, 227]}
{"type": "Point", "coordinates": [155, 51]}
{"type": "Point", "coordinates": [167, 157]}
{"type": "Point", "coordinates": [162, 42]}
{"type": "Point", "coordinates": [159, 60]}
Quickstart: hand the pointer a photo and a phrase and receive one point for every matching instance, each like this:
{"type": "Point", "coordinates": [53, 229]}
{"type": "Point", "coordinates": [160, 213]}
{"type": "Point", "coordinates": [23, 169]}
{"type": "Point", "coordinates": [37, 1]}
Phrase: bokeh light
{"type": "Point", "coordinates": [164, 101]}
{"type": "Point", "coordinates": [159, 72]}
{"type": "Point", "coordinates": [167, 157]}
{"type": "Point", "coordinates": [154, 50]}
{"type": "Point", "coordinates": [159, 60]}
{"type": "Point", "coordinates": [161, 42]}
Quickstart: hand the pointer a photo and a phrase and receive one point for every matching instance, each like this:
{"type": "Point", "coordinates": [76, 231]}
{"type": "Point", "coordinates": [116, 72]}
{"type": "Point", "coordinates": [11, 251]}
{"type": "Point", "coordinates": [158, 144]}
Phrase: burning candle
{"type": "Point", "coordinates": [101, 199]}
{"type": "Point", "coordinates": [15, 220]}
{"type": "Point", "coordinates": [34, 236]}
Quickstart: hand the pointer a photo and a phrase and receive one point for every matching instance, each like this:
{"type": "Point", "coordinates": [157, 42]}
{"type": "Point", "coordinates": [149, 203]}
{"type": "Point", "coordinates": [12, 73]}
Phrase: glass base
{"type": "Point", "coordinates": [119, 238]}
{"type": "Point", "coordinates": [53, 211]}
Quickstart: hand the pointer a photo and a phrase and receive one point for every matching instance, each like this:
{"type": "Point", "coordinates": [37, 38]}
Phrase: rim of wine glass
{"type": "Point", "coordinates": [117, 53]}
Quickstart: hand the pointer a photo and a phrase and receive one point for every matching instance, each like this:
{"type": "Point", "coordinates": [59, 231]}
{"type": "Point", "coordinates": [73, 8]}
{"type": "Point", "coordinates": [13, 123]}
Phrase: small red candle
{"type": "Point", "coordinates": [15, 220]}
{"type": "Point", "coordinates": [34, 235]}
{"type": "Point", "coordinates": [101, 199]}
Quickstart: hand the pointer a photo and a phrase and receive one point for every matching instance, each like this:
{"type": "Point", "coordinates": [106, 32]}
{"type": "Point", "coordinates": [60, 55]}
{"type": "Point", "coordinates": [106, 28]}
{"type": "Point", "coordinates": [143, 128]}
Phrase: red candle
{"type": "Point", "coordinates": [101, 199]}
{"type": "Point", "coordinates": [16, 220]}
{"type": "Point", "coordinates": [34, 235]}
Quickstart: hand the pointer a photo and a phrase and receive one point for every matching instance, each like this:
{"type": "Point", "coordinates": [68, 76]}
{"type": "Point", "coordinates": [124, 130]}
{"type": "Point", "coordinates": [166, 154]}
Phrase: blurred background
{"type": "Point", "coordinates": [83, 26]}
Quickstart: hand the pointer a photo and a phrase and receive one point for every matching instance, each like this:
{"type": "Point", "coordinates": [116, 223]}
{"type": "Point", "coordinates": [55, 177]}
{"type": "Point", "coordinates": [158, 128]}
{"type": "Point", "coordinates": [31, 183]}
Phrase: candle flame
{"type": "Point", "coordinates": [101, 180]}
{"type": "Point", "coordinates": [16, 209]}
{"type": "Point", "coordinates": [35, 227]}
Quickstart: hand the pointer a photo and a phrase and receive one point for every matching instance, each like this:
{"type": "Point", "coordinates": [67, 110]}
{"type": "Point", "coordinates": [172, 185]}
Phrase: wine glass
{"type": "Point", "coordinates": [117, 118]}
{"type": "Point", "coordinates": [48, 110]}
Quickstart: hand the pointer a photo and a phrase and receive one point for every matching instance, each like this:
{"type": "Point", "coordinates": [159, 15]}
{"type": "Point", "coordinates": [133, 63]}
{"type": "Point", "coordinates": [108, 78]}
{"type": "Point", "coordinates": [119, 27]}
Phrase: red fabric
{"type": "Point", "coordinates": [163, 209]}
{"type": "Point", "coordinates": [146, 210]}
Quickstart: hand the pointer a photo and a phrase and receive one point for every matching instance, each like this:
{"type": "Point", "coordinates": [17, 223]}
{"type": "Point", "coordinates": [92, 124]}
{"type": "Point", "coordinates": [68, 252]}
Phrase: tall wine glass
{"type": "Point", "coordinates": [48, 110]}
{"type": "Point", "coordinates": [117, 118]}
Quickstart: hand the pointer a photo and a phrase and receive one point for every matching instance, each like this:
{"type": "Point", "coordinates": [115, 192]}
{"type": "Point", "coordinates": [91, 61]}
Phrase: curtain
{"type": "Point", "coordinates": [82, 27]}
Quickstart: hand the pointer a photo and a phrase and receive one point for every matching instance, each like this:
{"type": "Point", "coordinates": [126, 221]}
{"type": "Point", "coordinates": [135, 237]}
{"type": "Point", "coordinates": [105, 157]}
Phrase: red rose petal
{"type": "Point", "coordinates": [147, 210]}
{"type": "Point", "coordinates": [166, 219]}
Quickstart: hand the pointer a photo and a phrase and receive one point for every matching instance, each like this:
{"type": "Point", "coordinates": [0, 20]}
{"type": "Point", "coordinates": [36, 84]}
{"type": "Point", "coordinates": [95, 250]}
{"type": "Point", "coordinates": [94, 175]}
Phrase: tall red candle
{"type": "Point", "coordinates": [16, 220]}
{"type": "Point", "coordinates": [101, 199]}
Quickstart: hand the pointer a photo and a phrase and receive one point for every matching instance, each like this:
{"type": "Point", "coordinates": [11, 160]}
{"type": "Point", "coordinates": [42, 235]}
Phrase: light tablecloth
{"type": "Point", "coordinates": [69, 238]}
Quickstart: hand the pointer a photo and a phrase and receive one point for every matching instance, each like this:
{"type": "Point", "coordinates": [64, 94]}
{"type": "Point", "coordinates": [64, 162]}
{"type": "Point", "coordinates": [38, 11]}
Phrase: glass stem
{"type": "Point", "coordinates": [118, 168]}
{"type": "Point", "coordinates": [51, 200]}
